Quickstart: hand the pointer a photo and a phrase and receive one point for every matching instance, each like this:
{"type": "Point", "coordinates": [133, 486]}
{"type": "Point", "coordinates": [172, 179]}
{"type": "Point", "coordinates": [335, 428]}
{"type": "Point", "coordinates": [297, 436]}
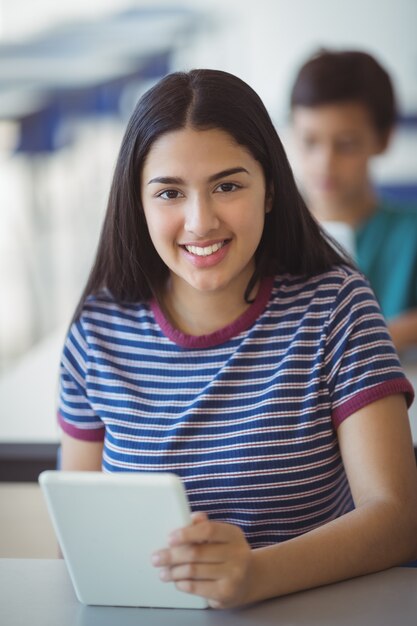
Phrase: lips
{"type": "Point", "coordinates": [206, 250]}
{"type": "Point", "coordinates": [208, 255]}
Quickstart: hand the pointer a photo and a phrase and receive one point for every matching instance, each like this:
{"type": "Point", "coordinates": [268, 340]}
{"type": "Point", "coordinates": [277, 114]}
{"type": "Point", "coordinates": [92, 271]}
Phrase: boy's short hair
{"type": "Point", "coordinates": [342, 76]}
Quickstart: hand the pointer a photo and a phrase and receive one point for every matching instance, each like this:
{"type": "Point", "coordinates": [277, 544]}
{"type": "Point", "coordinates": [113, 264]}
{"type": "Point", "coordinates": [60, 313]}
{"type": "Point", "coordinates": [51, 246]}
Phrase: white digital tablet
{"type": "Point", "coordinates": [108, 526]}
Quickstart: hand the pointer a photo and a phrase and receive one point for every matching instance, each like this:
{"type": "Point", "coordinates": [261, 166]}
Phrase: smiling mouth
{"type": "Point", "coordinates": [206, 250]}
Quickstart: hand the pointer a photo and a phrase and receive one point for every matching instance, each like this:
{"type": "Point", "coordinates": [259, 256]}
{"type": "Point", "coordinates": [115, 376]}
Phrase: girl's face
{"type": "Point", "coordinates": [204, 200]}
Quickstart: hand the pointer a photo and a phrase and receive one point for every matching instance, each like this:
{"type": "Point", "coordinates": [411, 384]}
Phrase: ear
{"type": "Point", "coordinates": [384, 139]}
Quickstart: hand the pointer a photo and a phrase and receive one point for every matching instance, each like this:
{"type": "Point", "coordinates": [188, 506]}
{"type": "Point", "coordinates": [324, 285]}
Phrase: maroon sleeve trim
{"type": "Point", "coordinates": [361, 399]}
{"type": "Point", "coordinates": [85, 434]}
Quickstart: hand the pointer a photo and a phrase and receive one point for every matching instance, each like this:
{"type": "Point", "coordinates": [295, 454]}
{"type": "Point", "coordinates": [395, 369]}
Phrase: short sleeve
{"type": "Point", "coordinates": [75, 414]}
{"type": "Point", "coordinates": [361, 362]}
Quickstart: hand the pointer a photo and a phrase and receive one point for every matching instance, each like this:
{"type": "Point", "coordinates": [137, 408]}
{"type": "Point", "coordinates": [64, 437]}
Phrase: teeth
{"type": "Point", "coordinates": [204, 251]}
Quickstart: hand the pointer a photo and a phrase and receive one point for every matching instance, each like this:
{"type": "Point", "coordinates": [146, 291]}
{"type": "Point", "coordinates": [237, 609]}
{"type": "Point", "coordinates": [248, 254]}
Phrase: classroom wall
{"type": "Point", "coordinates": [263, 42]}
{"type": "Point", "coordinates": [268, 40]}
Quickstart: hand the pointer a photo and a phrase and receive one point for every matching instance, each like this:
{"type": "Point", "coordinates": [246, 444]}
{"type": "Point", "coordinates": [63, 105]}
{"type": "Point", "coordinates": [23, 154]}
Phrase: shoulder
{"type": "Point", "coordinates": [103, 318]}
{"type": "Point", "coordinates": [329, 282]}
{"type": "Point", "coordinates": [318, 299]}
{"type": "Point", "coordinates": [398, 212]}
{"type": "Point", "coordinates": [103, 307]}
{"type": "Point", "coordinates": [392, 229]}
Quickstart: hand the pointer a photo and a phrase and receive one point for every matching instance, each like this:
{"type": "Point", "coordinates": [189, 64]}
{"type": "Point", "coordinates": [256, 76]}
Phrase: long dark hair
{"type": "Point", "coordinates": [127, 263]}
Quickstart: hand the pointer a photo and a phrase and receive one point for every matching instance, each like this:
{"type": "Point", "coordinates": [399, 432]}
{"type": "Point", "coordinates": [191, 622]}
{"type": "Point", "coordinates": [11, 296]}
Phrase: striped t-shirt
{"type": "Point", "coordinates": [246, 416]}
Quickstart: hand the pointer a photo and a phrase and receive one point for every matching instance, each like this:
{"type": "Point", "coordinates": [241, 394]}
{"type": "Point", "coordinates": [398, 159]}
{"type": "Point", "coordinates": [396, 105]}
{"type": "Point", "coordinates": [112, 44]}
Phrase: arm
{"type": "Point", "coordinates": [79, 455]}
{"type": "Point", "coordinates": [377, 451]}
{"type": "Point", "coordinates": [403, 330]}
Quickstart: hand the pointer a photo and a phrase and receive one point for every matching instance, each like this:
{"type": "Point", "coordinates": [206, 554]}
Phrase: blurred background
{"type": "Point", "coordinates": [70, 74]}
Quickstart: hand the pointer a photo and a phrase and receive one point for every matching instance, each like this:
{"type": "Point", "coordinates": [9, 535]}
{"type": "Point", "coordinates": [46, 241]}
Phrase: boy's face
{"type": "Point", "coordinates": [334, 143]}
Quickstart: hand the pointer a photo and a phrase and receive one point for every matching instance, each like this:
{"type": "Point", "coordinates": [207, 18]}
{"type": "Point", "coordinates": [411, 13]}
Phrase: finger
{"type": "Point", "coordinates": [190, 553]}
{"type": "Point", "coordinates": [215, 604]}
{"type": "Point", "coordinates": [208, 589]}
{"type": "Point", "coordinates": [215, 532]}
{"type": "Point", "coordinates": [205, 588]}
{"type": "Point", "coordinates": [198, 516]}
{"type": "Point", "coordinates": [192, 571]}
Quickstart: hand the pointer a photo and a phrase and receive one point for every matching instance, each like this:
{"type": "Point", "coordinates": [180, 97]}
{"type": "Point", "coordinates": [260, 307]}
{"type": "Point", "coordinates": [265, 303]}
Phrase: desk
{"type": "Point", "coordinates": [39, 593]}
{"type": "Point", "coordinates": [29, 433]}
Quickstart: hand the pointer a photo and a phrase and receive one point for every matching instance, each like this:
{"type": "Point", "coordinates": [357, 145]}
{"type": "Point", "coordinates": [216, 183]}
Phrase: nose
{"type": "Point", "coordinates": [200, 217]}
{"type": "Point", "coordinates": [326, 159]}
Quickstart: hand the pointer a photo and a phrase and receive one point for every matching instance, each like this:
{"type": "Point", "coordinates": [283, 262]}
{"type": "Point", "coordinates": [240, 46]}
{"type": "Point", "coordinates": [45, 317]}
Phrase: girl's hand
{"type": "Point", "coordinates": [209, 559]}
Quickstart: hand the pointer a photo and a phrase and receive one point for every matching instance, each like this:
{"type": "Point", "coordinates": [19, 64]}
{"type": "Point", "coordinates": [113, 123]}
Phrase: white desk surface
{"type": "Point", "coordinates": [28, 394]}
{"type": "Point", "coordinates": [39, 593]}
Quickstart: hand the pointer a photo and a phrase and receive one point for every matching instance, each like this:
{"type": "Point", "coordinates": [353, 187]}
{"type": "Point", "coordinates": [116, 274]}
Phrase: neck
{"type": "Point", "coordinates": [352, 211]}
{"type": "Point", "coordinates": [203, 313]}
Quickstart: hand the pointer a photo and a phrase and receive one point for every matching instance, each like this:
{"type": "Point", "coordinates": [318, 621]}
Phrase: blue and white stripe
{"type": "Point", "coordinates": [249, 424]}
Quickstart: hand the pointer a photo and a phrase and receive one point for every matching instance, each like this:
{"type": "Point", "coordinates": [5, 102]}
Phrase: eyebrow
{"type": "Point", "coordinates": [174, 180]}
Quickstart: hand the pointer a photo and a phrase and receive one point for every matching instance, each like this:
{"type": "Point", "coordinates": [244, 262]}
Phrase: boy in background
{"type": "Point", "coordinates": [343, 114]}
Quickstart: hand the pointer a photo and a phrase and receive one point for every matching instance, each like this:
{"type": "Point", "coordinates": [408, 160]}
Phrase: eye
{"type": "Point", "coordinates": [348, 145]}
{"type": "Point", "coordinates": [170, 194]}
{"type": "Point", "coordinates": [227, 187]}
{"type": "Point", "coordinates": [309, 143]}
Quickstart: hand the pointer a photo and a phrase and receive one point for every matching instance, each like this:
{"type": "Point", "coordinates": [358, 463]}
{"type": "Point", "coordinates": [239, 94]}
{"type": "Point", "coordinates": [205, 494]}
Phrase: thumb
{"type": "Point", "coordinates": [198, 517]}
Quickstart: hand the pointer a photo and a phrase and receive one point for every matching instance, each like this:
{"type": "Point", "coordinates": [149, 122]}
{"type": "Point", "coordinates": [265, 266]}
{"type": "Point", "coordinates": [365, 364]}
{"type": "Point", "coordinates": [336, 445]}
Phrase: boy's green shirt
{"type": "Point", "coordinates": [386, 249]}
